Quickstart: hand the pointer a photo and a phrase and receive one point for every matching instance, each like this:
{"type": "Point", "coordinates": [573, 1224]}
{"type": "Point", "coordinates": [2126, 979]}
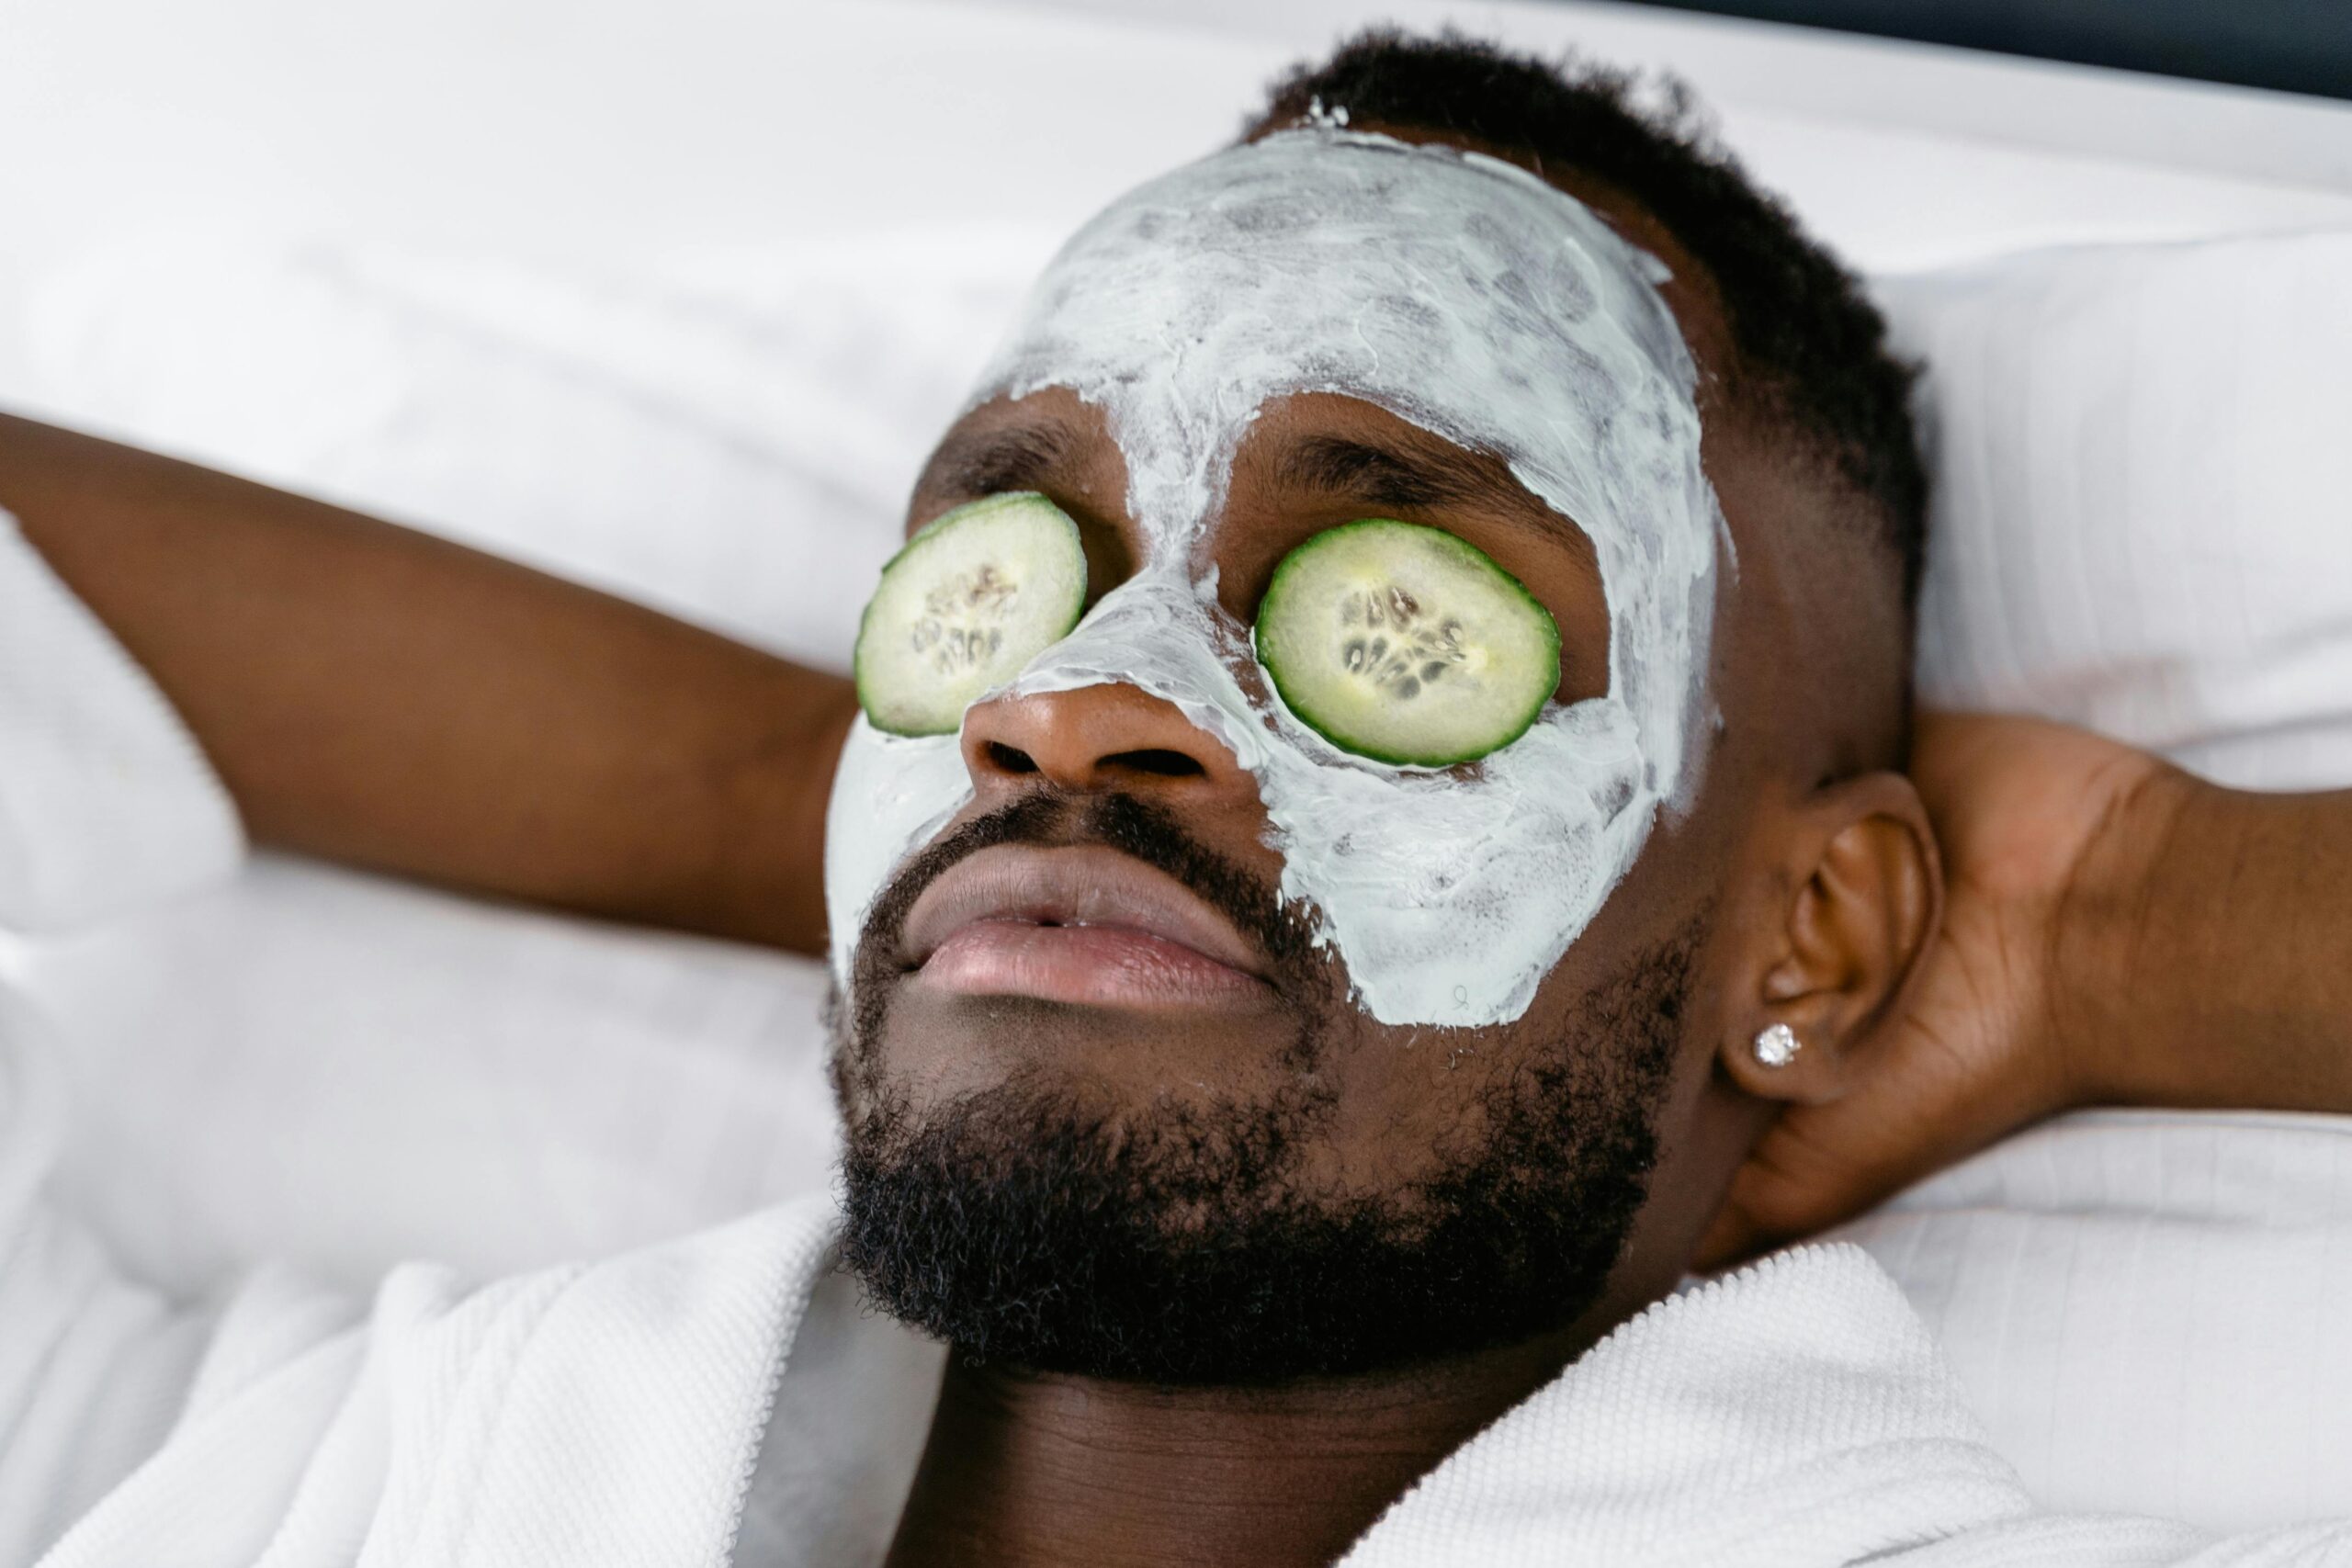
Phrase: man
{"type": "Point", "coordinates": [1296, 1152]}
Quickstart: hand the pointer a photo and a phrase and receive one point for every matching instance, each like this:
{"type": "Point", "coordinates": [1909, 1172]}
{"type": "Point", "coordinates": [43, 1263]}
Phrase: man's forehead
{"type": "Point", "coordinates": [1459, 292]}
{"type": "Point", "coordinates": [1353, 238]}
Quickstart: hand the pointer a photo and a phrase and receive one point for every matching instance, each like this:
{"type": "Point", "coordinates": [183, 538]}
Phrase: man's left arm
{"type": "Point", "coordinates": [2116, 932]}
{"type": "Point", "coordinates": [395, 701]}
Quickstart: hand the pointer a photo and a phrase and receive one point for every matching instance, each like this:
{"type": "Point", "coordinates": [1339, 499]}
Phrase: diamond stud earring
{"type": "Point", "coordinates": [1777, 1046]}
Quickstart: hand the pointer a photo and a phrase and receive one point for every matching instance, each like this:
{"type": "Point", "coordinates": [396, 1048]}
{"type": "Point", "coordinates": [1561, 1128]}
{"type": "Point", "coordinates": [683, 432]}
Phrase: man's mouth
{"type": "Point", "coordinates": [1082, 924]}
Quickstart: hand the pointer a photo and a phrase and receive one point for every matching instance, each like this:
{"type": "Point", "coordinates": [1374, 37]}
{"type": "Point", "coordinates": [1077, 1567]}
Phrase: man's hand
{"type": "Point", "coordinates": [2034, 821]}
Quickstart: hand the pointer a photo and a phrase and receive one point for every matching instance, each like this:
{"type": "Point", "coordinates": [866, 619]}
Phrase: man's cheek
{"type": "Point", "coordinates": [891, 796]}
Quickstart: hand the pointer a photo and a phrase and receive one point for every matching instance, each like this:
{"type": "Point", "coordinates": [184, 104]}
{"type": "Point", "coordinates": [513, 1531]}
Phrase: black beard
{"type": "Point", "coordinates": [1179, 1247]}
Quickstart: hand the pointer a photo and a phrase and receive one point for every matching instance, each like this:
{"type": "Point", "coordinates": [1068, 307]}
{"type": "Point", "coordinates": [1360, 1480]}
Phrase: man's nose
{"type": "Point", "coordinates": [1096, 740]}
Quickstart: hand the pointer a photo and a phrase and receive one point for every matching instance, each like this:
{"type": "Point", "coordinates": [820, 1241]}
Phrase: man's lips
{"type": "Point", "coordinates": [1076, 924]}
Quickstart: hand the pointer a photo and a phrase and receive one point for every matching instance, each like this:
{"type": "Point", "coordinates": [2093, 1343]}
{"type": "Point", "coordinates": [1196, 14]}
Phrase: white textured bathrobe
{"type": "Point", "coordinates": [1794, 1414]}
{"type": "Point", "coordinates": [723, 1399]}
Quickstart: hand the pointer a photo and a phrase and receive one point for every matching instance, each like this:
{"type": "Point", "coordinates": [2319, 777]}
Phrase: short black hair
{"type": "Point", "coordinates": [1808, 340]}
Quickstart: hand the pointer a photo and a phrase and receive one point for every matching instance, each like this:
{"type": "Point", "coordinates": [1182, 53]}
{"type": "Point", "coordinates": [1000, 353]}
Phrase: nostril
{"type": "Point", "coordinates": [1011, 759]}
{"type": "Point", "coordinates": [1165, 763]}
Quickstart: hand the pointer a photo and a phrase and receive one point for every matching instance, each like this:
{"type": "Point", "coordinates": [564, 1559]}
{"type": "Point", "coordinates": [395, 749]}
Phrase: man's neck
{"type": "Point", "coordinates": [1041, 1470]}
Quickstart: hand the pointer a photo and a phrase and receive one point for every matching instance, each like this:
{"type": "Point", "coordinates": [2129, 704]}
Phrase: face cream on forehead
{"type": "Point", "coordinates": [1473, 300]}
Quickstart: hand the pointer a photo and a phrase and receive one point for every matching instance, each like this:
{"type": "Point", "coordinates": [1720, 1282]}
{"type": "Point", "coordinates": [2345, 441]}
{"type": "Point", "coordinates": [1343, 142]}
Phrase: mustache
{"type": "Point", "coordinates": [1149, 833]}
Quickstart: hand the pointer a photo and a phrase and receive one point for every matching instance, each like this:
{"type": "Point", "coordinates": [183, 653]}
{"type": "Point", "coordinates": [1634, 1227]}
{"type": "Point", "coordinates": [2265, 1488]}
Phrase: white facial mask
{"type": "Point", "coordinates": [1474, 300]}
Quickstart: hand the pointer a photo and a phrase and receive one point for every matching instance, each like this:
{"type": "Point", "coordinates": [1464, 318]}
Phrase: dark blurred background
{"type": "Point", "coordinates": [2293, 46]}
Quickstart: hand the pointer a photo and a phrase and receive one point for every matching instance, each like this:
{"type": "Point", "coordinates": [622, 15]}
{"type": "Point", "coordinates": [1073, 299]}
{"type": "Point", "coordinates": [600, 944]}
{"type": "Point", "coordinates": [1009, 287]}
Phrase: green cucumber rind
{"type": "Point", "coordinates": [1290, 566]}
{"type": "Point", "coordinates": [860, 669]}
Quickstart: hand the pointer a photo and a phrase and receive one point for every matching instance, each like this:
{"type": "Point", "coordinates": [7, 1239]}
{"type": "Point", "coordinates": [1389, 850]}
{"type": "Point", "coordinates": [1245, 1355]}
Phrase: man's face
{"type": "Point", "coordinates": [1176, 1044]}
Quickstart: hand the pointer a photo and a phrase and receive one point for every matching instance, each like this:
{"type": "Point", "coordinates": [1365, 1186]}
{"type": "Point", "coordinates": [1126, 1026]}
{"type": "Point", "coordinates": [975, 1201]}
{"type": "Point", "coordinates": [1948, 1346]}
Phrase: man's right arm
{"type": "Point", "coordinates": [395, 701]}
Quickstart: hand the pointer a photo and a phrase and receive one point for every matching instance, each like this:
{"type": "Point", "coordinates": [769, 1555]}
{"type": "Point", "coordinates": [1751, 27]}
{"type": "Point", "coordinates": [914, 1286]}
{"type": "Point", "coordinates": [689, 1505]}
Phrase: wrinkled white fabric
{"type": "Point", "coordinates": [106, 803]}
{"type": "Point", "coordinates": [1796, 1413]}
{"type": "Point", "coordinates": [2139, 500]}
{"type": "Point", "coordinates": [609, 1414]}
{"type": "Point", "coordinates": [2146, 1308]}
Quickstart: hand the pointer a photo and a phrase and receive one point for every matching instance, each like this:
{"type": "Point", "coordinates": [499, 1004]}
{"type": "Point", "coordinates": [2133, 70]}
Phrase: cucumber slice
{"type": "Point", "coordinates": [1403, 644]}
{"type": "Point", "coordinates": [976, 595]}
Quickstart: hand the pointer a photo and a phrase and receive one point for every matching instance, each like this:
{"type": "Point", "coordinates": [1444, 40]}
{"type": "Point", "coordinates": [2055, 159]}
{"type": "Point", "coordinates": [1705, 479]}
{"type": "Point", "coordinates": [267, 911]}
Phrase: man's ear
{"type": "Point", "coordinates": [1854, 903]}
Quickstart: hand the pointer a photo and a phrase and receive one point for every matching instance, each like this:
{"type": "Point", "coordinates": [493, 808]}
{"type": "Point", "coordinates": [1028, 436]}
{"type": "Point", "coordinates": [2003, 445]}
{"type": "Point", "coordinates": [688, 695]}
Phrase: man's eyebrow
{"type": "Point", "coordinates": [1434, 473]}
{"type": "Point", "coordinates": [988, 462]}
{"type": "Point", "coordinates": [1404, 477]}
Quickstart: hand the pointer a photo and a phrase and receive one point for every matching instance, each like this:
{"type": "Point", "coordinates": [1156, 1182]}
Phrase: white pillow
{"type": "Point", "coordinates": [2143, 516]}
{"type": "Point", "coordinates": [733, 441]}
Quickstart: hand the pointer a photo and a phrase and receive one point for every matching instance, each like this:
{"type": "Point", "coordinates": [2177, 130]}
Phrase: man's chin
{"type": "Point", "coordinates": [1027, 1229]}
{"type": "Point", "coordinates": [1153, 1193]}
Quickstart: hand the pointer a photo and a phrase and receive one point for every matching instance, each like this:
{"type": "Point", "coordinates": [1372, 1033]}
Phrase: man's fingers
{"type": "Point", "coordinates": [1818, 1167]}
{"type": "Point", "coordinates": [1806, 1175]}
{"type": "Point", "coordinates": [1787, 1187]}
{"type": "Point", "coordinates": [1728, 1240]}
